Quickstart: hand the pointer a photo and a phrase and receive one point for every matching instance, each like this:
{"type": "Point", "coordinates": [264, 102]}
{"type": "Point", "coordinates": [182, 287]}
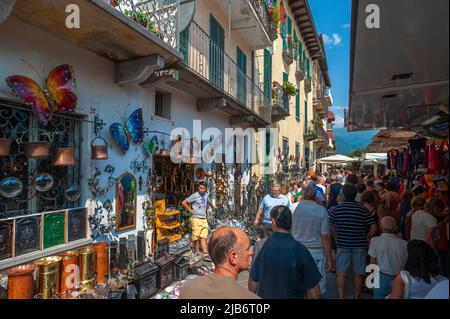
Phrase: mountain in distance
{"type": "Point", "coordinates": [347, 142]}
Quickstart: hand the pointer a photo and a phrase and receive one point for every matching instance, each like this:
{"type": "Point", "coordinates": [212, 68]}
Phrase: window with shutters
{"type": "Point", "coordinates": [297, 105]}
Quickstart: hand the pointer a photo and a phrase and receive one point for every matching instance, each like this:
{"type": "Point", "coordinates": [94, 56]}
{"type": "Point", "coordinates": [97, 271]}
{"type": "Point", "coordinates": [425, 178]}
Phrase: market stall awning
{"type": "Point", "coordinates": [399, 72]}
{"type": "Point", "coordinates": [336, 159]}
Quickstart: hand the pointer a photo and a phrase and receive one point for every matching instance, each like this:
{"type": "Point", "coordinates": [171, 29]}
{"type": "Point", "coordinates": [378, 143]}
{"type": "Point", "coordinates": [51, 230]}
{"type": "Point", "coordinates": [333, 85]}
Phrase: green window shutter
{"type": "Point", "coordinates": [285, 77]}
{"type": "Point", "coordinates": [297, 105]}
{"type": "Point", "coordinates": [267, 73]}
{"type": "Point", "coordinates": [308, 65]}
{"type": "Point", "coordinates": [241, 76]}
{"type": "Point", "coordinates": [296, 41]}
{"type": "Point", "coordinates": [216, 53]}
{"type": "Point", "coordinates": [300, 51]}
{"type": "Point", "coordinates": [306, 116]}
{"type": "Point", "coordinates": [289, 20]}
{"type": "Point", "coordinates": [184, 45]}
{"type": "Point", "coordinates": [284, 34]}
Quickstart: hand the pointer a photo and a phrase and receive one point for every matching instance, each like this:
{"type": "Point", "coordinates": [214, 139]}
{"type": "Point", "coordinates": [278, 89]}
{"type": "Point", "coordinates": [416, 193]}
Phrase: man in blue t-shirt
{"type": "Point", "coordinates": [269, 202]}
{"type": "Point", "coordinates": [284, 268]}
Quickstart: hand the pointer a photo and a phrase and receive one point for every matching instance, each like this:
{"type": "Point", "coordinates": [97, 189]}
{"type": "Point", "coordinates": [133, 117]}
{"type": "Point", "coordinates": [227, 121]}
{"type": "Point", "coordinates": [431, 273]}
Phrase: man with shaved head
{"type": "Point", "coordinates": [390, 254]}
{"type": "Point", "coordinates": [230, 251]}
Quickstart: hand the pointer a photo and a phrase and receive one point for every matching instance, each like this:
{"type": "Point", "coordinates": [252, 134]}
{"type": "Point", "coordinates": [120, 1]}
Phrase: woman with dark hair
{"type": "Point", "coordinates": [404, 208]}
{"type": "Point", "coordinates": [369, 201]}
{"type": "Point", "coordinates": [421, 273]}
{"type": "Point", "coordinates": [390, 201]}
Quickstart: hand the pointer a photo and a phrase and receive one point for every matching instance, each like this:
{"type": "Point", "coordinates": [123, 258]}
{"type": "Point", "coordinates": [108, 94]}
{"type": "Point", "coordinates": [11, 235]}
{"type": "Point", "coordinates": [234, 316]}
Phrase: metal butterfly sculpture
{"type": "Point", "coordinates": [56, 96]}
{"type": "Point", "coordinates": [132, 129]}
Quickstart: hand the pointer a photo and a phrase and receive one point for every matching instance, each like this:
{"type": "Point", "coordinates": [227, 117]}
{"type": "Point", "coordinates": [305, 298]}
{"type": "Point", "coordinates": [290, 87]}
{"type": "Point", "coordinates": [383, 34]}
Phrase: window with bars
{"type": "Point", "coordinates": [37, 184]}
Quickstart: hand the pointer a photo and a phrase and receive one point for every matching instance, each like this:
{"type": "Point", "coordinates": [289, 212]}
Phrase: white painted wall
{"type": "Point", "coordinates": [95, 88]}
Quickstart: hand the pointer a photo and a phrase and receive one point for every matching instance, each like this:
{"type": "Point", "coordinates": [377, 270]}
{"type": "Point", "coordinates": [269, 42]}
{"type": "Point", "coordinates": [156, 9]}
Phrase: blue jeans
{"type": "Point", "coordinates": [355, 256]}
{"type": "Point", "coordinates": [385, 287]}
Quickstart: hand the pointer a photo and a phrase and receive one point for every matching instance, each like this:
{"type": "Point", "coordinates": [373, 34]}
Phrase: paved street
{"type": "Point", "coordinates": [331, 286]}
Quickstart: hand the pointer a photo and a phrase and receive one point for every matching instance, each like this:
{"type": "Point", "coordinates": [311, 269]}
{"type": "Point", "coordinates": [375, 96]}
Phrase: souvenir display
{"type": "Point", "coordinates": [27, 237]}
{"type": "Point", "coordinates": [56, 96]}
{"type": "Point", "coordinates": [132, 129]}
{"type": "Point", "coordinates": [123, 253]}
{"type": "Point", "coordinates": [64, 156]}
{"type": "Point", "coordinates": [166, 271]}
{"type": "Point", "coordinates": [6, 234]}
{"type": "Point", "coordinates": [151, 146]}
{"type": "Point", "coordinates": [76, 224]}
{"type": "Point", "coordinates": [145, 282]}
{"type": "Point", "coordinates": [35, 148]}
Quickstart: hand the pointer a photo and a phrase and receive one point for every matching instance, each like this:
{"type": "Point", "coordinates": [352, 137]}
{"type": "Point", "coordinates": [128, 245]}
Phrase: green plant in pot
{"type": "Point", "coordinates": [289, 88]}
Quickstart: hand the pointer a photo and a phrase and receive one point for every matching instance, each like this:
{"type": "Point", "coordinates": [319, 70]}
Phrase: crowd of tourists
{"type": "Point", "coordinates": [390, 240]}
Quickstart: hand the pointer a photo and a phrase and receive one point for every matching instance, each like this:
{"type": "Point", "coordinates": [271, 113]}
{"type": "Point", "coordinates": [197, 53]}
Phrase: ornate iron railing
{"type": "Point", "coordinates": [263, 13]}
{"type": "Point", "coordinates": [210, 61]}
{"type": "Point", "coordinates": [157, 16]}
{"type": "Point", "coordinates": [281, 97]}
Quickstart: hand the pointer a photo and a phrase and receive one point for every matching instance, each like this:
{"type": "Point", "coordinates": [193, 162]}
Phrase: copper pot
{"type": "Point", "coordinates": [5, 146]}
{"type": "Point", "coordinates": [64, 156]}
{"type": "Point", "coordinates": [69, 261]}
{"type": "Point", "coordinates": [36, 149]}
{"type": "Point", "coordinates": [101, 260]}
{"type": "Point", "coordinates": [21, 282]}
{"type": "Point", "coordinates": [99, 152]}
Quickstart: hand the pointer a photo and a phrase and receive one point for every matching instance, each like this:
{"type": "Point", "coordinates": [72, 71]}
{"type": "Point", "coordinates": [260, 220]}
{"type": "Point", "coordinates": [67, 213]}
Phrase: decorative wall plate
{"type": "Point", "coordinates": [43, 182]}
{"type": "Point", "coordinates": [11, 187]}
{"type": "Point", "coordinates": [72, 194]}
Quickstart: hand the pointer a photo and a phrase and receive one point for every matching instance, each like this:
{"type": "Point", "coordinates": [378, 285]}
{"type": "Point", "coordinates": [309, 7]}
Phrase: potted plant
{"type": "Point", "coordinates": [289, 88]}
{"type": "Point", "coordinates": [114, 3]}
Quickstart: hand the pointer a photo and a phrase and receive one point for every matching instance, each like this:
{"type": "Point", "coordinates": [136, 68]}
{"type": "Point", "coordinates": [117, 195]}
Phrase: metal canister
{"type": "Point", "coordinates": [48, 278]}
{"type": "Point", "coordinates": [102, 258]}
{"type": "Point", "coordinates": [87, 268]}
{"type": "Point", "coordinates": [70, 273]}
{"type": "Point", "coordinates": [21, 282]}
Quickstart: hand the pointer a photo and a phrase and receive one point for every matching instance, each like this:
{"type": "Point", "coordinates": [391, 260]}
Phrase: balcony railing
{"type": "Point", "coordinates": [157, 16]}
{"type": "Point", "coordinates": [280, 97]}
{"type": "Point", "coordinates": [316, 133]}
{"type": "Point", "coordinates": [308, 86]}
{"type": "Point", "coordinates": [288, 51]}
{"type": "Point", "coordinates": [210, 61]}
{"type": "Point", "coordinates": [263, 13]}
{"type": "Point", "coordinates": [300, 70]}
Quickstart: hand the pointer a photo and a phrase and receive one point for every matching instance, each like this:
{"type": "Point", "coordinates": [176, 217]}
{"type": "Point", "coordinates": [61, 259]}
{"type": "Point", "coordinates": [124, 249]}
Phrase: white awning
{"type": "Point", "coordinates": [336, 159]}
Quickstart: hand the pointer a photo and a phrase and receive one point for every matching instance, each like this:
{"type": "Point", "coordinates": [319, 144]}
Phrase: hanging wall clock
{"type": "Point", "coordinates": [56, 96]}
{"type": "Point", "coordinates": [132, 129]}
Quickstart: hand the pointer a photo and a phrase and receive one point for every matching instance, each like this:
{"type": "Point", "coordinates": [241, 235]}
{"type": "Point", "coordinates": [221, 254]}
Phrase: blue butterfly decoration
{"type": "Point", "coordinates": [133, 129]}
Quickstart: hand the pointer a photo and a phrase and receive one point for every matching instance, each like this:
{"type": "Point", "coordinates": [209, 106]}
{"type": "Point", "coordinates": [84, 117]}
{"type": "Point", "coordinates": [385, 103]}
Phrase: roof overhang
{"type": "Point", "coordinates": [398, 73]}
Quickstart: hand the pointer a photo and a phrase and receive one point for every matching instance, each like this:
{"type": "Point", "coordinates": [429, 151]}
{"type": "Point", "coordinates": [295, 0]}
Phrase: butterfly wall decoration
{"type": "Point", "coordinates": [132, 129]}
{"type": "Point", "coordinates": [56, 96]}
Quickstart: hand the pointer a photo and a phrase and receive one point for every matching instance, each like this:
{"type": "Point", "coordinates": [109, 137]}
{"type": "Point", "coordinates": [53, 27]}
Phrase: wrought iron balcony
{"type": "Point", "coordinates": [320, 103]}
{"type": "Point", "coordinates": [280, 103]}
{"type": "Point", "coordinates": [157, 16]}
{"type": "Point", "coordinates": [300, 70]}
{"type": "Point", "coordinates": [209, 60]}
{"type": "Point", "coordinates": [288, 51]}
{"type": "Point", "coordinates": [262, 11]}
{"type": "Point", "coordinates": [105, 30]}
{"type": "Point", "coordinates": [308, 86]}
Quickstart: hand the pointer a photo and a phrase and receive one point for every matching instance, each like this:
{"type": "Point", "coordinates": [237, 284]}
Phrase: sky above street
{"type": "Point", "coordinates": [332, 18]}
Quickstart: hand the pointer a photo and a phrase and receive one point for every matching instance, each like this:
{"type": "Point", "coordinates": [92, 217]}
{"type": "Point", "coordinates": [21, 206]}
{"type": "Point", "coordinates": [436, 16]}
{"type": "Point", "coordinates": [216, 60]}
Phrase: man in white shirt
{"type": "Point", "coordinates": [390, 254]}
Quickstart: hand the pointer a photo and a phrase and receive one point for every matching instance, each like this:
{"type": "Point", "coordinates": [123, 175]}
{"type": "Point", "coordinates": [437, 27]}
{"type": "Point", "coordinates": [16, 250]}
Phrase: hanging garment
{"type": "Point", "coordinates": [405, 162]}
{"type": "Point", "coordinates": [388, 161]}
{"type": "Point", "coordinates": [398, 161]}
{"type": "Point", "coordinates": [433, 158]}
{"type": "Point", "coordinates": [427, 156]}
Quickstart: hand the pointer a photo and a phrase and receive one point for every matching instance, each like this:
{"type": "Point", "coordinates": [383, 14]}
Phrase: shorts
{"type": "Point", "coordinates": [321, 261]}
{"type": "Point", "coordinates": [199, 228]}
{"type": "Point", "coordinates": [355, 256]}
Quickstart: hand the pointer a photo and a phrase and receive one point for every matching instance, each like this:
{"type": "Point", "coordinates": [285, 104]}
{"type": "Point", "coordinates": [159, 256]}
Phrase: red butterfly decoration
{"type": "Point", "coordinates": [58, 95]}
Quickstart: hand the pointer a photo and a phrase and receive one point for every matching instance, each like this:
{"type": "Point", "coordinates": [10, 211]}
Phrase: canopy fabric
{"type": "Point", "coordinates": [375, 156]}
{"type": "Point", "coordinates": [336, 159]}
{"type": "Point", "coordinates": [331, 136]}
{"type": "Point", "coordinates": [331, 116]}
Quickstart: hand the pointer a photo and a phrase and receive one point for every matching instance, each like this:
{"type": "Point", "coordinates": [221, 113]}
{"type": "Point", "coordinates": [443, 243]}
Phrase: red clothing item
{"type": "Point", "coordinates": [433, 158]}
